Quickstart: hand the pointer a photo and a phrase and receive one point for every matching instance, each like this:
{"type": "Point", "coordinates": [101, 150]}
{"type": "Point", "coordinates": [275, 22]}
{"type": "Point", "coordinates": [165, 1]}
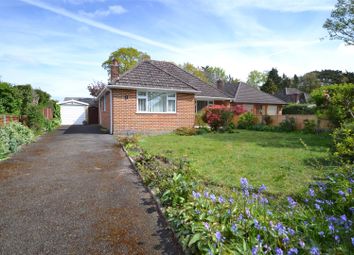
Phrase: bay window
{"type": "Point", "coordinates": [156, 102]}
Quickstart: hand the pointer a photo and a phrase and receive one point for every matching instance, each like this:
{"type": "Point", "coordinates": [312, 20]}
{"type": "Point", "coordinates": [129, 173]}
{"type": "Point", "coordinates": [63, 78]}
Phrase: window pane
{"type": "Point", "coordinates": [171, 105]}
{"type": "Point", "coordinates": [172, 95]}
{"type": "Point", "coordinates": [142, 105]}
{"type": "Point", "coordinates": [157, 102]}
{"type": "Point", "coordinates": [141, 93]}
{"type": "Point", "coordinates": [201, 105]}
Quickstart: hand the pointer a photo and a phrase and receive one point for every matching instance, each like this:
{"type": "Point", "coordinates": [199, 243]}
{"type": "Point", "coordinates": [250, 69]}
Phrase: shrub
{"type": "Point", "coordinates": [309, 126]}
{"type": "Point", "coordinates": [263, 127]}
{"type": "Point", "coordinates": [35, 118]}
{"type": "Point", "coordinates": [343, 142]}
{"type": "Point", "coordinates": [12, 136]}
{"type": "Point", "coordinates": [287, 125]}
{"type": "Point", "coordinates": [246, 120]}
{"type": "Point", "coordinates": [218, 116]}
{"type": "Point", "coordinates": [50, 125]}
{"type": "Point", "coordinates": [186, 131]}
{"type": "Point", "coordinates": [9, 99]}
{"type": "Point", "coordinates": [199, 119]}
{"type": "Point", "coordinates": [299, 109]}
{"type": "Point", "coordinates": [267, 120]}
{"type": "Point", "coordinates": [125, 140]}
{"type": "Point", "coordinates": [203, 130]}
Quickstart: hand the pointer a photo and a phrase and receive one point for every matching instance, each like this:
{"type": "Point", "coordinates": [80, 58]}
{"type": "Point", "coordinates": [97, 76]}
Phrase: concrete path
{"type": "Point", "coordinates": [74, 192]}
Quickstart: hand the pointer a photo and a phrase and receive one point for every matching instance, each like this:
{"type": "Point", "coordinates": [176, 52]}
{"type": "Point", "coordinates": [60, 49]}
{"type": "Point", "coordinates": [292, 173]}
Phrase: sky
{"type": "Point", "coordinates": [59, 45]}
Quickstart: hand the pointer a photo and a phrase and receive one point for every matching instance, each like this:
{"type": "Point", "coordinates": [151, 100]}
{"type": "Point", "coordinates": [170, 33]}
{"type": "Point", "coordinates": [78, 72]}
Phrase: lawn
{"type": "Point", "coordinates": [278, 160]}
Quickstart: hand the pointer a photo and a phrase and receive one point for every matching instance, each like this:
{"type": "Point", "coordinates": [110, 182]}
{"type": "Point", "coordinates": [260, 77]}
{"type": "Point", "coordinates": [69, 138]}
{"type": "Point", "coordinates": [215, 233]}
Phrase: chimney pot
{"type": "Point", "coordinates": [114, 71]}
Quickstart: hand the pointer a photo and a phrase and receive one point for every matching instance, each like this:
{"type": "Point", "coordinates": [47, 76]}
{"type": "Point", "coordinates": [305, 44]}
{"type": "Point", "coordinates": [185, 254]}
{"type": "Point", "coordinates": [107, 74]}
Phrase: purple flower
{"type": "Point", "coordinates": [256, 224]}
{"type": "Point", "coordinates": [321, 233]}
{"type": "Point", "coordinates": [292, 202]}
{"type": "Point", "coordinates": [311, 192]}
{"type": "Point", "coordinates": [315, 251]}
{"type": "Point", "coordinates": [351, 209]}
{"type": "Point", "coordinates": [331, 228]}
{"type": "Point", "coordinates": [262, 188]}
{"type": "Point", "coordinates": [206, 225]}
{"type": "Point", "coordinates": [240, 217]}
{"type": "Point", "coordinates": [197, 211]}
{"type": "Point", "coordinates": [231, 200]}
{"type": "Point", "coordinates": [278, 251]}
{"type": "Point", "coordinates": [206, 194]}
{"type": "Point", "coordinates": [259, 238]}
{"type": "Point", "coordinates": [280, 228]}
{"type": "Point", "coordinates": [353, 241]}
{"type": "Point", "coordinates": [341, 193]}
{"type": "Point", "coordinates": [234, 228]}
{"type": "Point", "coordinates": [343, 218]}
{"type": "Point", "coordinates": [318, 207]}
{"type": "Point", "coordinates": [248, 213]}
{"type": "Point", "coordinates": [336, 237]}
{"type": "Point", "coordinates": [244, 183]}
{"type": "Point", "coordinates": [302, 244]}
{"type": "Point", "coordinates": [292, 251]}
{"type": "Point", "coordinates": [264, 200]}
{"type": "Point", "coordinates": [349, 190]}
{"type": "Point", "coordinates": [291, 231]}
{"type": "Point", "coordinates": [213, 197]}
{"type": "Point", "coordinates": [218, 236]}
{"type": "Point", "coordinates": [286, 240]}
{"type": "Point", "coordinates": [246, 193]}
{"type": "Point", "coordinates": [255, 250]}
{"type": "Point", "coordinates": [221, 200]}
{"type": "Point", "coordinates": [196, 195]}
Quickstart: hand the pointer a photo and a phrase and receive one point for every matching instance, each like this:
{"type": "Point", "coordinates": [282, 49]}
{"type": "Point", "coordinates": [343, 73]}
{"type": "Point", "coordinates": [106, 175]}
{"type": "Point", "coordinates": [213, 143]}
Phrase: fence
{"type": "Point", "coordinates": [5, 119]}
{"type": "Point", "coordinates": [299, 120]}
{"type": "Point", "coordinates": [48, 113]}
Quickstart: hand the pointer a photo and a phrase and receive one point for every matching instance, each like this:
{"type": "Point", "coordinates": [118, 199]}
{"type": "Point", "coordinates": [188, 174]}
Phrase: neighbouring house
{"type": "Point", "coordinates": [78, 110]}
{"type": "Point", "coordinates": [293, 95]}
{"type": "Point", "coordinates": [159, 96]}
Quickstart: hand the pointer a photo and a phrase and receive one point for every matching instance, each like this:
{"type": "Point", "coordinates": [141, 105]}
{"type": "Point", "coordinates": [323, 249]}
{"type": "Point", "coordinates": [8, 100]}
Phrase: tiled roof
{"type": "Point", "coordinates": [89, 100]}
{"type": "Point", "coordinates": [148, 75]}
{"type": "Point", "coordinates": [244, 93]}
{"type": "Point", "coordinates": [290, 91]}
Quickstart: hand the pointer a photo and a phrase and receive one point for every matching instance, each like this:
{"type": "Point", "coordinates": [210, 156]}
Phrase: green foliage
{"type": "Point", "coordinates": [9, 99]}
{"type": "Point", "coordinates": [299, 109]}
{"type": "Point", "coordinates": [12, 136]}
{"type": "Point", "coordinates": [203, 130]}
{"type": "Point", "coordinates": [126, 57]}
{"type": "Point", "coordinates": [309, 82]}
{"type": "Point", "coordinates": [196, 71]}
{"type": "Point", "coordinates": [267, 120]}
{"type": "Point", "coordinates": [125, 140]}
{"type": "Point", "coordinates": [56, 110]}
{"type": "Point", "coordinates": [186, 131]}
{"type": "Point", "coordinates": [343, 143]}
{"type": "Point", "coordinates": [43, 97]}
{"type": "Point", "coordinates": [341, 24]}
{"type": "Point", "coordinates": [287, 125]}
{"type": "Point", "coordinates": [256, 78]}
{"type": "Point", "coordinates": [309, 126]}
{"type": "Point", "coordinates": [35, 119]}
{"type": "Point", "coordinates": [27, 96]}
{"type": "Point", "coordinates": [213, 74]}
{"type": "Point", "coordinates": [336, 102]}
{"type": "Point", "coordinates": [246, 120]}
{"type": "Point", "coordinates": [218, 116]}
{"type": "Point", "coordinates": [272, 83]}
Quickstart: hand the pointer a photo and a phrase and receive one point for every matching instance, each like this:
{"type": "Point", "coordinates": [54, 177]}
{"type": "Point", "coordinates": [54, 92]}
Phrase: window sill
{"type": "Point", "coordinates": [156, 112]}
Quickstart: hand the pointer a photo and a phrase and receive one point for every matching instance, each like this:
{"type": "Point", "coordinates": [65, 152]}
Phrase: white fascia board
{"type": "Point", "coordinates": [154, 89]}
{"type": "Point", "coordinates": [73, 101]}
{"type": "Point", "coordinates": [212, 98]}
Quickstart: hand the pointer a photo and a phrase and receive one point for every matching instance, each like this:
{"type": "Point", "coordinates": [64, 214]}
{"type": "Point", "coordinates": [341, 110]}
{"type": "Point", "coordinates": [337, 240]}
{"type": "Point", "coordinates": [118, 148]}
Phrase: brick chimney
{"type": "Point", "coordinates": [220, 84]}
{"type": "Point", "coordinates": [114, 71]}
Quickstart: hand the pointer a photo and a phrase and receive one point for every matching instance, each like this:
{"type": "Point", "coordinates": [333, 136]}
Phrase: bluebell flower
{"type": "Point", "coordinates": [351, 209]}
{"type": "Point", "coordinates": [291, 231]}
{"type": "Point", "coordinates": [240, 217]}
{"type": "Point", "coordinates": [262, 188]}
{"type": "Point", "coordinates": [292, 202]}
{"type": "Point", "coordinates": [286, 240]}
{"type": "Point", "coordinates": [210, 212]}
{"type": "Point", "coordinates": [311, 192]}
{"type": "Point", "coordinates": [221, 200]}
{"type": "Point", "coordinates": [321, 234]}
{"type": "Point", "coordinates": [213, 197]}
{"type": "Point", "coordinates": [349, 190]}
{"type": "Point", "coordinates": [197, 211]}
{"type": "Point", "coordinates": [293, 251]}
{"type": "Point", "coordinates": [318, 207]}
{"type": "Point", "coordinates": [206, 194]}
{"type": "Point", "coordinates": [248, 213]}
{"type": "Point", "coordinates": [259, 238]}
{"type": "Point", "coordinates": [341, 193]}
{"type": "Point", "coordinates": [280, 228]}
{"type": "Point", "coordinates": [231, 200]}
{"type": "Point", "coordinates": [206, 225]}
{"type": "Point", "coordinates": [336, 237]}
{"type": "Point", "coordinates": [319, 201]}
{"type": "Point", "coordinates": [279, 251]}
{"type": "Point", "coordinates": [246, 193]}
{"type": "Point", "coordinates": [244, 183]}
{"type": "Point", "coordinates": [331, 228]}
{"type": "Point", "coordinates": [196, 195]}
{"type": "Point", "coordinates": [269, 212]}
{"type": "Point", "coordinates": [234, 228]}
{"type": "Point", "coordinates": [218, 236]}
{"type": "Point", "coordinates": [256, 224]}
{"type": "Point", "coordinates": [264, 200]}
{"type": "Point", "coordinates": [211, 252]}
{"type": "Point", "coordinates": [353, 241]}
{"type": "Point", "coordinates": [315, 251]}
{"type": "Point", "coordinates": [255, 250]}
{"type": "Point", "coordinates": [302, 244]}
{"type": "Point", "coordinates": [343, 218]}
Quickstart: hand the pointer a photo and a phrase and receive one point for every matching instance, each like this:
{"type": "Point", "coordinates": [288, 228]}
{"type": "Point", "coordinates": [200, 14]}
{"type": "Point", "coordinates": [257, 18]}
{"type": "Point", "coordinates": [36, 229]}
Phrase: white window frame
{"type": "Point", "coordinates": [210, 102]}
{"type": "Point", "coordinates": [104, 103]}
{"type": "Point", "coordinates": [146, 97]}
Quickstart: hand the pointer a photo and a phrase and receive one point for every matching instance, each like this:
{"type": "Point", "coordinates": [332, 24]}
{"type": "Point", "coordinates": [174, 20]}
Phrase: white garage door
{"type": "Point", "coordinates": [72, 115]}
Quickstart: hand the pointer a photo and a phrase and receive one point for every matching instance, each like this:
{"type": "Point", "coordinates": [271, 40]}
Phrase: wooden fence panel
{"type": "Point", "coordinates": [6, 119]}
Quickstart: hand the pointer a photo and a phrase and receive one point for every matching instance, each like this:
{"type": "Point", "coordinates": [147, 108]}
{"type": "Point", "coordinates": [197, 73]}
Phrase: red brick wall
{"type": "Point", "coordinates": [6, 119]}
{"type": "Point", "coordinates": [126, 119]}
{"type": "Point", "coordinates": [104, 116]}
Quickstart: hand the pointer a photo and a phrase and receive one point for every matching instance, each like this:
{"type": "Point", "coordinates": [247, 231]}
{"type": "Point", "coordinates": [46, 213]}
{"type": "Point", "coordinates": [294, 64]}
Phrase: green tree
{"type": "Point", "coordinates": [285, 82]}
{"type": "Point", "coordinates": [309, 82]}
{"type": "Point", "coordinates": [214, 74]}
{"type": "Point", "coordinates": [190, 68]}
{"type": "Point", "coordinates": [27, 95]}
{"type": "Point", "coordinates": [126, 57]}
{"type": "Point", "coordinates": [272, 83]}
{"type": "Point", "coordinates": [43, 97]}
{"type": "Point", "coordinates": [295, 82]}
{"type": "Point", "coordinates": [340, 25]}
{"type": "Point", "coordinates": [336, 102]}
{"type": "Point", "coordinates": [256, 78]}
{"type": "Point", "coordinates": [10, 102]}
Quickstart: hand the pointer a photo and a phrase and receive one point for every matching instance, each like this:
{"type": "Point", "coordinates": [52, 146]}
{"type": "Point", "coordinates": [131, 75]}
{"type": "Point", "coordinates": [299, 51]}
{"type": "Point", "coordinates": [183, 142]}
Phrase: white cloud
{"type": "Point", "coordinates": [79, 2]}
{"type": "Point", "coordinates": [114, 9]}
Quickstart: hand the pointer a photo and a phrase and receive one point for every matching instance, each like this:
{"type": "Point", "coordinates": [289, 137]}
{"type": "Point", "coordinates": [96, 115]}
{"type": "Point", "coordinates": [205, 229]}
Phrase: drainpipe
{"type": "Point", "coordinates": [110, 112]}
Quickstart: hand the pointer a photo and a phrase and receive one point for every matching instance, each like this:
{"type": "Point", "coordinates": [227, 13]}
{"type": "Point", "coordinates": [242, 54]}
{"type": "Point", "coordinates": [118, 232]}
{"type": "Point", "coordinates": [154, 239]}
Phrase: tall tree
{"type": "Point", "coordinates": [340, 25]}
{"type": "Point", "coordinates": [272, 83]}
{"type": "Point", "coordinates": [285, 82]}
{"type": "Point", "coordinates": [214, 73]}
{"type": "Point", "coordinates": [10, 101]}
{"type": "Point", "coordinates": [295, 82]}
{"type": "Point", "coordinates": [43, 97]}
{"type": "Point", "coordinates": [256, 78]}
{"type": "Point", "coordinates": [95, 88]}
{"type": "Point", "coordinates": [190, 68]}
{"type": "Point", "coordinates": [309, 82]}
{"type": "Point", "coordinates": [27, 95]}
{"type": "Point", "coordinates": [127, 58]}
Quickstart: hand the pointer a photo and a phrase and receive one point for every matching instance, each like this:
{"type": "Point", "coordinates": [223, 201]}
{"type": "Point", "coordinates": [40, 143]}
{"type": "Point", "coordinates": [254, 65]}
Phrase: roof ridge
{"type": "Point", "coordinates": [238, 89]}
{"type": "Point", "coordinates": [129, 71]}
{"type": "Point", "coordinates": [149, 61]}
{"type": "Point", "coordinates": [266, 93]}
{"type": "Point", "coordinates": [208, 84]}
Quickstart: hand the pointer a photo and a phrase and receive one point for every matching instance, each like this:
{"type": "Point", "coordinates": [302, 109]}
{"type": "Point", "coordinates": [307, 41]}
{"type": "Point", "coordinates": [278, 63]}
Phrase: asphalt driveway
{"type": "Point", "coordinates": [74, 192]}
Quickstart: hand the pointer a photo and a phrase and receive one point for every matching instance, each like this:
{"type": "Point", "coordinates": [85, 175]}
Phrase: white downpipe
{"type": "Point", "coordinates": [99, 111]}
{"type": "Point", "coordinates": [111, 112]}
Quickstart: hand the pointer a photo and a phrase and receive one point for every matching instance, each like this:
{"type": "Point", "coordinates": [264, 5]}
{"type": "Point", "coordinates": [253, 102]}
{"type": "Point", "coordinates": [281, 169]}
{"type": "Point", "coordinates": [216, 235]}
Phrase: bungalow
{"type": "Point", "coordinates": [158, 96]}
{"type": "Point", "coordinates": [293, 95]}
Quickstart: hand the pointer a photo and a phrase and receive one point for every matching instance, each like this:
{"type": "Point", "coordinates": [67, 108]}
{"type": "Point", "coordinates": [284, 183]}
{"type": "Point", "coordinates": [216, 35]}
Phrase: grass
{"type": "Point", "coordinates": [278, 160]}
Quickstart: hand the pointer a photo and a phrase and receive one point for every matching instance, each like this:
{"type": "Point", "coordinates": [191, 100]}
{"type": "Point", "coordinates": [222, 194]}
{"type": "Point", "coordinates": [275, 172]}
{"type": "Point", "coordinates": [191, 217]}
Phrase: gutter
{"type": "Point", "coordinates": [149, 88]}
{"type": "Point", "coordinates": [111, 112]}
